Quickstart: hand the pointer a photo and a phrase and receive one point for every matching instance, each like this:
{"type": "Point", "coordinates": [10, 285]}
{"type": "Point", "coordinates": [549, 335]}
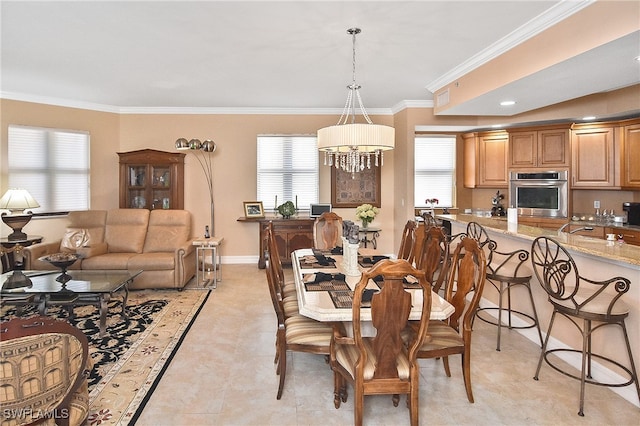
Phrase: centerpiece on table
{"type": "Point", "coordinates": [366, 213]}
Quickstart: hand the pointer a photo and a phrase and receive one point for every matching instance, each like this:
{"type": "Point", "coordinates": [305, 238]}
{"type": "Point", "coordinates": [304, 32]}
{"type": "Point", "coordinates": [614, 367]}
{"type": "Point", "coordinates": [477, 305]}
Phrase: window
{"type": "Point", "coordinates": [288, 170]}
{"type": "Point", "coordinates": [435, 170]}
{"type": "Point", "coordinates": [52, 164]}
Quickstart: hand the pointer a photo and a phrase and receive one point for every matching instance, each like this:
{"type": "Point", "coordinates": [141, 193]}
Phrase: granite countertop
{"type": "Point", "coordinates": [620, 252]}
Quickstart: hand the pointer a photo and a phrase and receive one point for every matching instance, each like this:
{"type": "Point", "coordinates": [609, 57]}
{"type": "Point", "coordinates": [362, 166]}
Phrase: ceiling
{"type": "Point", "coordinates": [289, 56]}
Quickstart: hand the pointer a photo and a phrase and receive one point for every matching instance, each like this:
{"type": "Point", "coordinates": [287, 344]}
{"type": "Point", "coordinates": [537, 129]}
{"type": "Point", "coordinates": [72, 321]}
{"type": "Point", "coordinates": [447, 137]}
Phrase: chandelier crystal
{"type": "Point", "coordinates": [353, 146]}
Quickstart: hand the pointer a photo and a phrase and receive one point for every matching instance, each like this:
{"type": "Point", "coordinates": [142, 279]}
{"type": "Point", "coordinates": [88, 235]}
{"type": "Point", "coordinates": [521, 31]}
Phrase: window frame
{"type": "Point", "coordinates": [287, 191]}
{"type": "Point", "coordinates": [45, 178]}
{"type": "Point", "coordinates": [420, 203]}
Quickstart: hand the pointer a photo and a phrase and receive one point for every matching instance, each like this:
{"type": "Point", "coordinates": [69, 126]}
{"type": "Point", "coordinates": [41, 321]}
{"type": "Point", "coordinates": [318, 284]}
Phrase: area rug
{"type": "Point", "coordinates": [131, 357]}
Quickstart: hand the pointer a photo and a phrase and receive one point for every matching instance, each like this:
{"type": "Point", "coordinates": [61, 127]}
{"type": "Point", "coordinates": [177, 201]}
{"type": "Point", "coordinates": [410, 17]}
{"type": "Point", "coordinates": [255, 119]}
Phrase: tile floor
{"type": "Point", "coordinates": [224, 374]}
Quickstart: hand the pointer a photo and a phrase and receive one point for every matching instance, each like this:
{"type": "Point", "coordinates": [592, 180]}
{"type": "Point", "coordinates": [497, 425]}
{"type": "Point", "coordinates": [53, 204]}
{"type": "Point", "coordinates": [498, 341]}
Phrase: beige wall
{"type": "Point", "coordinates": [235, 161]}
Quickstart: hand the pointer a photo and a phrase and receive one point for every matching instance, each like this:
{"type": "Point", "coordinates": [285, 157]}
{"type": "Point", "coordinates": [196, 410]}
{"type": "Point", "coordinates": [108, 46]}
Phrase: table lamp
{"type": "Point", "coordinates": [17, 201]}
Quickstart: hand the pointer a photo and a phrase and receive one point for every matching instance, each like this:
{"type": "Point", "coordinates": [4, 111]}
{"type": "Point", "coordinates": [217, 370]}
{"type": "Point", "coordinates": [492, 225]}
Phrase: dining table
{"type": "Point", "coordinates": [330, 300]}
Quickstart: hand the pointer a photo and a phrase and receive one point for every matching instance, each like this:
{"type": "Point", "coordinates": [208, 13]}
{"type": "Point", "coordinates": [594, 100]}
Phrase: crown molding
{"type": "Point", "coordinates": [545, 20]}
{"type": "Point", "coordinates": [68, 103]}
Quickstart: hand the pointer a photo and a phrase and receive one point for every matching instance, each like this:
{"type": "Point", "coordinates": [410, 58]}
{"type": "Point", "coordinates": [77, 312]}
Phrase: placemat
{"type": "Point", "coordinates": [369, 261]}
{"type": "Point", "coordinates": [310, 262]}
{"type": "Point", "coordinates": [333, 285]}
{"type": "Point", "coordinates": [408, 284]}
{"type": "Point", "coordinates": [344, 299]}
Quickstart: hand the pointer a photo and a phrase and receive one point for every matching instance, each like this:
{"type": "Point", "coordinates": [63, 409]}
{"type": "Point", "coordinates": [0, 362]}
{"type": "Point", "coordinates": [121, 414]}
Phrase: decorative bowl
{"type": "Point", "coordinates": [62, 261]}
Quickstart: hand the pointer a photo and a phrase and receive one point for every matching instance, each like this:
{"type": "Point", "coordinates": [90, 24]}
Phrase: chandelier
{"type": "Point", "coordinates": [353, 146]}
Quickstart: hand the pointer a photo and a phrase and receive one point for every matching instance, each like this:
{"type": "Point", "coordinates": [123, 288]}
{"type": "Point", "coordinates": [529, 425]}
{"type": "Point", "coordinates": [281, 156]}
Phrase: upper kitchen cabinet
{"type": "Point", "coordinates": [485, 159]}
{"type": "Point", "coordinates": [151, 179]}
{"type": "Point", "coordinates": [594, 154]}
{"type": "Point", "coordinates": [631, 156]}
{"type": "Point", "coordinates": [540, 148]}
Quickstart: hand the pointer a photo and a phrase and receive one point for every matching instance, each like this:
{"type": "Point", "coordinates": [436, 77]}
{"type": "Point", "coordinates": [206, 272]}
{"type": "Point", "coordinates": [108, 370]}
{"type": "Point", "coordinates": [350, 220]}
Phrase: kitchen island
{"type": "Point", "coordinates": [596, 259]}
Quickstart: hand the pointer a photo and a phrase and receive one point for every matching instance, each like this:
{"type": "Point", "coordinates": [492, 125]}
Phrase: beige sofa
{"type": "Point", "coordinates": [158, 242]}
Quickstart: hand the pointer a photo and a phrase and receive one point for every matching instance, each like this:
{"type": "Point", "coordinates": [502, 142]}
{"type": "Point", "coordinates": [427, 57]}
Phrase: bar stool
{"type": "Point", "coordinates": [506, 270]}
{"type": "Point", "coordinates": [578, 298]}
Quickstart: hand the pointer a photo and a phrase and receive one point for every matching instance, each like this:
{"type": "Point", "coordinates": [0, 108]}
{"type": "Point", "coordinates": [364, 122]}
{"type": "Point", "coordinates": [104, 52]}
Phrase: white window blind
{"type": "Point", "coordinates": [52, 164]}
{"type": "Point", "coordinates": [287, 168]}
{"type": "Point", "coordinates": [435, 170]}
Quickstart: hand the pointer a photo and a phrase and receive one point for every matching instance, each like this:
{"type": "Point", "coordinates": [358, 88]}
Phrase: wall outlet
{"type": "Point", "coordinates": [596, 204]}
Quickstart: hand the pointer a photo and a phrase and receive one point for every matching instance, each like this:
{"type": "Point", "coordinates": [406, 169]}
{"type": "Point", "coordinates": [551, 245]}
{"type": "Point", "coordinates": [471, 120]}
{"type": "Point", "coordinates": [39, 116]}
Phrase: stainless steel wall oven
{"type": "Point", "coordinates": [543, 193]}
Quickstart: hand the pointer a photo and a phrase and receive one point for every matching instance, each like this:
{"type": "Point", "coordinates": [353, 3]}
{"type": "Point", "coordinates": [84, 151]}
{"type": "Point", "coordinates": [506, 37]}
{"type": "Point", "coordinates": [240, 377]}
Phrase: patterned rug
{"type": "Point", "coordinates": [134, 353]}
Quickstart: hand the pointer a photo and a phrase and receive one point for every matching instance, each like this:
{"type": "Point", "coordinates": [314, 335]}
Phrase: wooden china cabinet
{"type": "Point", "coordinates": [151, 179]}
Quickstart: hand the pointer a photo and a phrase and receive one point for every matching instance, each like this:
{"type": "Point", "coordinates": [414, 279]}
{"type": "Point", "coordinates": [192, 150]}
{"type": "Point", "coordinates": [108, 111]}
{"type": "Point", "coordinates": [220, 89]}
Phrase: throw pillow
{"type": "Point", "coordinates": [74, 239]}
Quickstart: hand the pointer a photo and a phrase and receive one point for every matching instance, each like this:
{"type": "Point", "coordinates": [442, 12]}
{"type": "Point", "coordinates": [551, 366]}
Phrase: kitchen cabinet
{"type": "Point", "coordinates": [594, 156]}
{"type": "Point", "coordinates": [630, 236]}
{"type": "Point", "coordinates": [596, 232]}
{"type": "Point", "coordinates": [631, 156]}
{"type": "Point", "coordinates": [485, 159]}
{"type": "Point", "coordinates": [541, 222]}
{"type": "Point", "coordinates": [290, 235]}
{"type": "Point", "coordinates": [151, 179]}
{"type": "Point", "coordinates": [546, 149]}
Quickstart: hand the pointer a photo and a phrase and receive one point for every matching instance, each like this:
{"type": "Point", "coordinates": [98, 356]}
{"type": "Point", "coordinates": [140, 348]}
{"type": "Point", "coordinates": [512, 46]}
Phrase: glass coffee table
{"type": "Point", "coordinates": [75, 288]}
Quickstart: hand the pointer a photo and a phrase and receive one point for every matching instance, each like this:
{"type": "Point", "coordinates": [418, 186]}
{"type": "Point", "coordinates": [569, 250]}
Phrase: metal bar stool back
{"type": "Point", "coordinates": [588, 304]}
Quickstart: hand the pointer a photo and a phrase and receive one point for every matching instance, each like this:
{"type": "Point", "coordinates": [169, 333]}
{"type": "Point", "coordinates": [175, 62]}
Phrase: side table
{"type": "Point", "coordinates": [211, 246]}
{"type": "Point", "coordinates": [13, 257]}
{"type": "Point", "coordinates": [374, 232]}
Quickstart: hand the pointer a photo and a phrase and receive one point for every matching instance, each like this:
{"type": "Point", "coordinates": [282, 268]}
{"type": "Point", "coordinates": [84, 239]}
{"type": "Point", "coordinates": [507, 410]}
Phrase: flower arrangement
{"type": "Point", "coordinates": [431, 201]}
{"type": "Point", "coordinates": [366, 213]}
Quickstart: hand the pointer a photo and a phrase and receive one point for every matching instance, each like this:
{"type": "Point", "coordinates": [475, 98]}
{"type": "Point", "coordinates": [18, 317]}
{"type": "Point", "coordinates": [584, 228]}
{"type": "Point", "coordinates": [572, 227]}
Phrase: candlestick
{"type": "Point", "coordinates": [296, 202]}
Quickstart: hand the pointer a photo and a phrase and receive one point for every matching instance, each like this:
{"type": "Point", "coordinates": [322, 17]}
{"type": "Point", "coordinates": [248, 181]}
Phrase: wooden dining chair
{"type": "Point", "coordinates": [433, 257]}
{"type": "Point", "coordinates": [286, 290]}
{"type": "Point", "coordinates": [327, 230]}
{"type": "Point", "coordinates": [467, 274]}
{"type": "Point", "coordinates": [407, 241]}
{"type": "Point", "coordinates": [45, 365]}
{"type": "Point", "coordinates": [383, 364]}
{"type": "Point", "coordinates": [294, 331]}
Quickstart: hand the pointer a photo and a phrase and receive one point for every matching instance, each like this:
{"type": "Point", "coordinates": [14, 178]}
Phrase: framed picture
{"type": "Point", "coordinates": [351, 190]}
{"type": "Point", "coordinates": [253, 209]}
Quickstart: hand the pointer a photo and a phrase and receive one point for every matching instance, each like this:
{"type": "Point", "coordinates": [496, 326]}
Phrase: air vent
{"type": "Point", "coordinates": [443, 98]}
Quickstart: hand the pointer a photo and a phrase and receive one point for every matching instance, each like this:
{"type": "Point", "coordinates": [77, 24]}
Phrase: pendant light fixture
{"type": "Point", "coordinates": [353, 146]}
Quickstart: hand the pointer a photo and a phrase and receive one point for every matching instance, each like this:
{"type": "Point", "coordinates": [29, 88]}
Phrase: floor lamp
{"type": "Point", "coordinates": [203, 152]}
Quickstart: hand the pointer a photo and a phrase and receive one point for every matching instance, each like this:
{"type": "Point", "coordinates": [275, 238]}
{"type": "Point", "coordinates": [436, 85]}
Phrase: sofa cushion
{"type": "Point", "coordinates": [126, 230]}
{"type": "Point", "coordinates": [168, 230]}
{"type": "Point", "coordinates": [152, 262]}
{"type": "Point", "coordinates": [119, 261]}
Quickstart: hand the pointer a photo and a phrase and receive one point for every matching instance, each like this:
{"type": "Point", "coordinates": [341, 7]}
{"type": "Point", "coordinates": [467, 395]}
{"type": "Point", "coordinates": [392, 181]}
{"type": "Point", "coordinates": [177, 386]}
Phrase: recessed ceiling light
{"type": "Point", "coordinates": [589, 117]}
{"type": "Point", "coordinates": [507, 103]}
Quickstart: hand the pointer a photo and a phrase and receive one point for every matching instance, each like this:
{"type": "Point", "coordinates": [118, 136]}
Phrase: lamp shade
{"type": "Point", "coordinates": [366, 137]}
{"type": "Point", "coordinates": [17, 200]}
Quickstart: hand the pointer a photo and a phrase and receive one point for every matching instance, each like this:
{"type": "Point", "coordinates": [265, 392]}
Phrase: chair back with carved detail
{"type": "Point", "coordinates": [434, 256]}
{"type": "Point", "coordinates": [44, 371]}
{"type": "Point", "coordinates": [407, 241]}
{"type": "Point", "coordinates": [327, 230]}
{"type": "Point", "coordinates": [386, 362]}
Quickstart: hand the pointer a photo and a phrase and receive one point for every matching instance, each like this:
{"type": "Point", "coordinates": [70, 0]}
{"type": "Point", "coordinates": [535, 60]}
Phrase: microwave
{"type": "Point", "coordinates": [543, 194]}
